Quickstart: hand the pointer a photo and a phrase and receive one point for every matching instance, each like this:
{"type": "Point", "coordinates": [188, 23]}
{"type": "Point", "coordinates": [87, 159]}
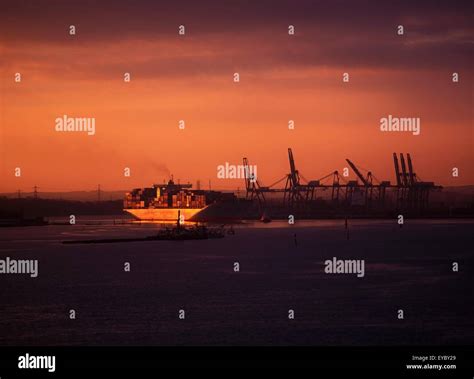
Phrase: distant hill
{"type": "Point", "coordinates": [29, 207]}
{"type": "Point", "coordinates": [78, 195]}
{"type": "Point", "coordinates": [72, 195]}
{"type": "Point", "coordinates": [465, 190]}
{"type": "Point", "coordinates": [460, 196]}
{"type": "Point", "coordinates": [454, 194]}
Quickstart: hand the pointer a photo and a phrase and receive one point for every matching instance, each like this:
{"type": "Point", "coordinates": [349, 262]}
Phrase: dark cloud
{"type": "Point", "coordinates": [241, 34]}
{"type": "Point", "coordinates": [97, 20]}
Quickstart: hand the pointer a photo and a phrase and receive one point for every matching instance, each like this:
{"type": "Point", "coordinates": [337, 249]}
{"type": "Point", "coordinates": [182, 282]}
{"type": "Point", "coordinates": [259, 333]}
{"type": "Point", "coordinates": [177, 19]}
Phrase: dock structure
{"type": "Point", "coordinates": [410, 193]}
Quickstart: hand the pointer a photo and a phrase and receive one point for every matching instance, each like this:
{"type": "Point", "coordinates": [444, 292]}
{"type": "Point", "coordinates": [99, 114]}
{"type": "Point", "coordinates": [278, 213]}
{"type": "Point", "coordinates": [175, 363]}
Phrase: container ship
{"type": "Point", "coordinates": [164, 202]}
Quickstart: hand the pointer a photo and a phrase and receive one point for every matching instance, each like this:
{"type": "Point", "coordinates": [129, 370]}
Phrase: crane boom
{"type": "Point", "coordinates": [294, 173]}
{"type": "Point", "coordinates": [358, 173]}
{"type": "Point", "coordinates": [410, 170]}
{"type": "Point", "coordinates": [397, 169]}
{"type": "Point", "coordinates": [404, 170]}
{"type": "Point", "coordinates": [247, 178]}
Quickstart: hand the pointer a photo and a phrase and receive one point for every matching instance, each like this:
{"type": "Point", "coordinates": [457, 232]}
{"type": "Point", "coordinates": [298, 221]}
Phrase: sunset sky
{"type": "Point", "coordinates": [190, 78]}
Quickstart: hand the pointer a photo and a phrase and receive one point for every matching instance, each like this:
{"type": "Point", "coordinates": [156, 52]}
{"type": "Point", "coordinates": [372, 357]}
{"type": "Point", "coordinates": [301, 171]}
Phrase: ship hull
{"type": "Point", "coordinates": [162, 214]}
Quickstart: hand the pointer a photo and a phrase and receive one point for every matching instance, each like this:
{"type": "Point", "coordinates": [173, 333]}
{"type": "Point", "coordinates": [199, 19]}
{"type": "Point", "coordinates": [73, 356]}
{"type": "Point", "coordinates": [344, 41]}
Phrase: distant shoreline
{"type": "Point", "coordinates": [119, 194]}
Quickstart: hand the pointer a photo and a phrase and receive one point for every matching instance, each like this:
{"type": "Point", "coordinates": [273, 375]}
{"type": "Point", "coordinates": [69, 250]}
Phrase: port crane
{"type": "Point", "coordinates": [369, 187]}
{"type": "Point", "coordinates": [252, 186]}
{"type": "Point", "coordinates": [300, 194]}
{"type": "Point", "coordinates": [293, 188]}
{"type": "Point", "coordinates": [412, 192]}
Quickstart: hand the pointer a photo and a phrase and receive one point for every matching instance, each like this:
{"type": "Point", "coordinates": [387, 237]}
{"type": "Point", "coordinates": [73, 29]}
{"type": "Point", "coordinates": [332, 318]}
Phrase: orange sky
{"type": "Point", "coordinates": [282, 77]}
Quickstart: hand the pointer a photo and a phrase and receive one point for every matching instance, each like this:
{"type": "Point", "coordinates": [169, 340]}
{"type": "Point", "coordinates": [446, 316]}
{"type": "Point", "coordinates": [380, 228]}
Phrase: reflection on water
{"type": "Point", "coordinates": [108, 227]}
{"type": "Point", "coordinates": [408, 268]}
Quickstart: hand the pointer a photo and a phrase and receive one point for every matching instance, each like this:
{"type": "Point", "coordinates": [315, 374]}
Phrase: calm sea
{"type": "Point", "coordinates": [281, 268]}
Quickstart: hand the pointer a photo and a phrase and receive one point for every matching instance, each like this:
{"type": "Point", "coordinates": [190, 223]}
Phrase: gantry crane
{"type": "Point", "coordinates": [412, 193]}
{"type": "Point", "coordinates": [293, 188]}
{"type": "Point", "coordinates": [300, 195]}
{"type": "Point", "coordinates": [253, 189]}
